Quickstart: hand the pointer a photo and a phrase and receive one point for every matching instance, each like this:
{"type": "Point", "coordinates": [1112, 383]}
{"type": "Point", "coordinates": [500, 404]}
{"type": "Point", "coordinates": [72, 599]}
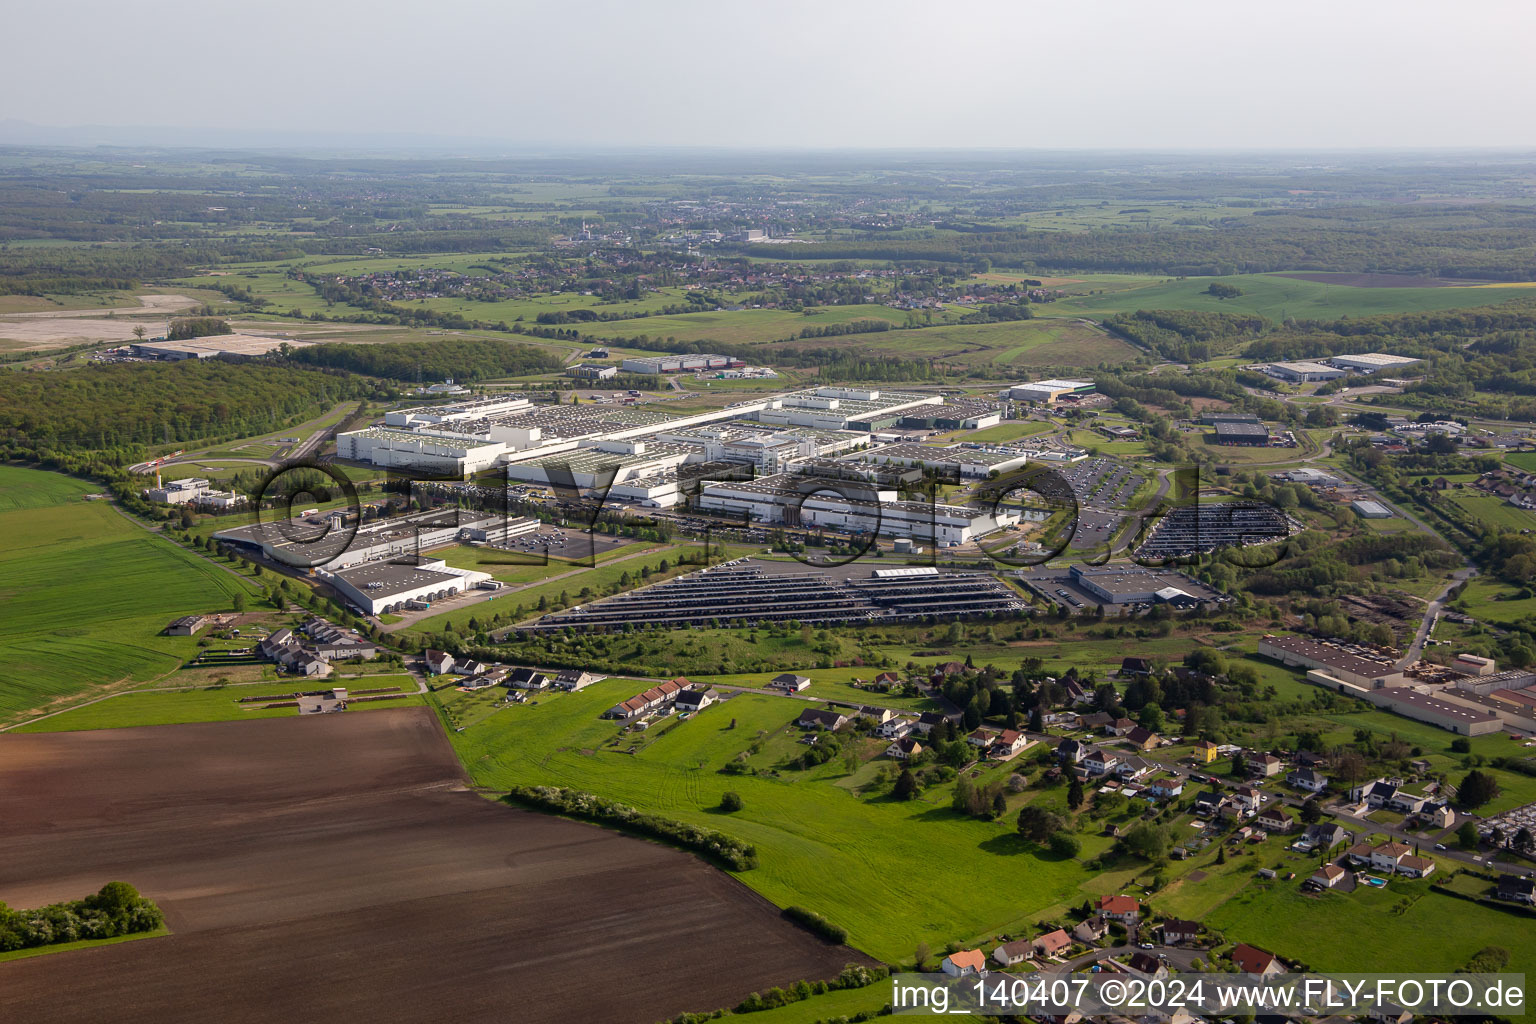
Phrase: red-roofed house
{"type": "Point", "coordinates": [1052, 943]}
{"type": "Point", "coordinates": [966, 961]}
{"type": "Point", "coordinates": [1121, 908]}
{"type": "Point", "coordinates": [1251, 960]}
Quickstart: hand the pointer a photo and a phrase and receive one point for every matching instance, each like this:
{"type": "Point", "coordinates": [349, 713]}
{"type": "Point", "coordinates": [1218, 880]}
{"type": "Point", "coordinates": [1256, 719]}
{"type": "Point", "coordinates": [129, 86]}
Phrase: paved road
{"type": "Point", "coordinates": [1180, 958]}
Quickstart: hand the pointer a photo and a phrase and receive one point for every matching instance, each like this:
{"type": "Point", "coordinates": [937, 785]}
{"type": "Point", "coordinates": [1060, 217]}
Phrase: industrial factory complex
{"type": "Point", "coordinates": [818, 457]}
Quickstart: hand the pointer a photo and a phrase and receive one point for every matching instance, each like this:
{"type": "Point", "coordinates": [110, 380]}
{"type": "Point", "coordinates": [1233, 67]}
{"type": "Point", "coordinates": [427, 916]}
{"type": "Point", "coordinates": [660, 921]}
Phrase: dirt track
{"type": "Point", "coordinates": [334, 869]}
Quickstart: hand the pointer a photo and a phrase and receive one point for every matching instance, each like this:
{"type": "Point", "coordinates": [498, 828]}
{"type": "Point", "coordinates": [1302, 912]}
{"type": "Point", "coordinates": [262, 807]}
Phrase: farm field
{"type": "Point", "coordinates": [1038, 342]}
{"type": "Point", "coordinates": [87, 592]}
{"type": "Point", "coordinates": [348, 840]}
{"type": "Point", "coordinates": [743, 326]}
{"type": "Point", "coordinates": [211, 704]}
{"type": "Point", "coordinates": [1276, 296]}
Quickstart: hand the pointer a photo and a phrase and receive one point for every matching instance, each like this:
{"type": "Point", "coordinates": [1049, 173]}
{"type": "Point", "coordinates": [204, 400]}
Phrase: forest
{"type": "Point", "coordinates": [124, 406]}
{"type": "Point", "coordinates": [461, 359]}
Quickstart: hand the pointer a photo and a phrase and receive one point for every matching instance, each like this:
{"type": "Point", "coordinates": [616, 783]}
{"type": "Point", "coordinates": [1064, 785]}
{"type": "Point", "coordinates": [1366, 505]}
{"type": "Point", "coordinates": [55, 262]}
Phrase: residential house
{"type": "Point", "coordinates": [1438, 815]}
{"type": "Point", "coordinates": [1071, 751]}
{"type": "Point", "coordinates": [1374, 794]}
{"type": "Point", "coordinates": [1130, 767]}
{"type": "Point", "coordinates": [1251, 960]}
{"type": "Point", "coordinates": [1062, 719]}
{"type": "Point", "coordinates": [789, 682]}
{"type": "Point", "coordinates": [1307, 779]}
{"type": "Point", "coordinates": [1261, 763]}
{"type": "Point", "coordinates": [657, 696]}
{"type": "Point", "coordinates": [1389, 1013]}
{"type": "Point", "coordinates": [817, 718]}
{"type": "Point", "coordinates": [895, 728]}
{"type": "Point", "coordinates": [1307, 759]}
{"type": "Point", "coordinates": [1360, 854]}
{"type": "Point", "coordinates": [1121, 908]}
{"type": "Point", "coordinates": [1052, 943]}
{"type": "Point", "coordinates": [1273, 819]}
{"type": "Point", "coordinates": [1135, 667]}
{"type": "Point", "coordinates": [948, 668]}
{"type": "Point", "coordinates": [1516, 889]}
{"type": "Point", "coordinates": [1015, 952]}
{"type": "Point", "coordinates": [527, 679]}
{"type": "Point", "coordinates": [1096, 719]}
{"type": "Point", "coordinates": [1007, 743]}
{"type": "Point", "coordinates": [928, 720]}
{"type": "Point", "coordinates": [877, 715]}
{"type": "Point", "coordinates": [904, 749]}
{"type": "Point", "coordinates": [1166, 787]}
{"type": "Point", "coordinates": [1076, 692]}
{"type": "Point", "coordinates": [1325, 835]}
{"type": "Point", "coordinates": [982, 737]}
{"type": "Point", "coordinates": [438, 662]}
{"type": "Point", "coordinates": [1145, 963]}
{"type": "Point", "coordinates": [1248, 798]}
{"type": "Point", "coordinates": [1207, 803]}
{"type": "Point", "coordinates": [573, 679]}
{"type": "Point", "coordinates": [696, 700]}
{"type": "Point", "coordinates": [1328, 876]}
{"type": "Point", "coordinates": [1406, 803]}
{"type": "Point", "coordinates": [476, 683]}
{"type": "Point", "coordinates": [1416, 867]}
{"type": "Point", "coordinates": [1119, 727]}
{"type": "Point", "coordinates": [887, 679]}
{"type": "Point", "coordinates": [1388, 856]}
{"type": "Point", "coordinates": [966, 961]}
{"type": "Point", "coordinates": [1206, 751]}
{"type": "Point", "coordinates": [1143, 739]}
{"type": "Point", "coordinates": [1100, 762]}
{"type": "Point", "coordinates": [1177, 932]}
{"type": "Point", "coordinates": [1091, 929]}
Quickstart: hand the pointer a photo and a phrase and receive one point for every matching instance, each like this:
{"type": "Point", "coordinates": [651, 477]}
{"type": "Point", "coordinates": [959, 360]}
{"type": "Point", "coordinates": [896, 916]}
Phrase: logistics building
{"type": "Point", "coordinates": [1048, 392]}
{"type": "Point", "coordinates": [1371, 362]}
{"type": "Point", "coordinates": [383, 587]}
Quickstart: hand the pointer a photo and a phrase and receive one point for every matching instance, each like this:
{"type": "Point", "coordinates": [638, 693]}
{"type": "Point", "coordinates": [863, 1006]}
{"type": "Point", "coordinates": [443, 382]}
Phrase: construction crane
{"type": "Point", "coordinates": [155, 465]}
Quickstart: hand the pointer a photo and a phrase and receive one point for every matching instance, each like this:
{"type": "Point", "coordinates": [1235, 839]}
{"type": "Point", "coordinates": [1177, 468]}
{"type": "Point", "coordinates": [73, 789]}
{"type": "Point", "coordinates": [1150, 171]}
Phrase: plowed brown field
{"type": "Point", "coordinates": [333, 868]}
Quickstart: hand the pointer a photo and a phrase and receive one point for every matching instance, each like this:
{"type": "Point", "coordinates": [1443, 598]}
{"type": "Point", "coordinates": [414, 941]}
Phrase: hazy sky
{"type": "Point", "coordinates": [835, 73]}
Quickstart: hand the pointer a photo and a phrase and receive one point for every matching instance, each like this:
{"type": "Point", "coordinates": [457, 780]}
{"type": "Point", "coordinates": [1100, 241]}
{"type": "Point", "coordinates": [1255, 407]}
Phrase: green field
{"type": "Point", "coordinates": [1490, 601]}
{"type": "Point", "coordinates": [212, 704]}
{"type": "Point", "coordinates": [1374, 929]}
{"type": "Point", "coordinates": [744, 326]}
{"type": "Point", "coordinates": [1007, 431]}
{"type": "Point", "coordinates": [86, 592]}
{"type": "Point", "coordinates": [1495, 511]}
{"type": "Point", "coordinates": [823, 843]}
{"type": "Point", "coordinates": [1277, 297]}
{"type": "Point", "coordinates": [1522, 460]}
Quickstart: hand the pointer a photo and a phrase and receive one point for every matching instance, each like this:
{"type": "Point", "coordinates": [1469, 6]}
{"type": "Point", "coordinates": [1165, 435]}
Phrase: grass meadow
{"type": "Point", "coordinates": [86, 592]}
{"type": "Point", "coordinates": [890, 872]}
{"type": "Point", "coordinates": [209, 704]}
{"type": "Point", "coordinates": [1276, 297]}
